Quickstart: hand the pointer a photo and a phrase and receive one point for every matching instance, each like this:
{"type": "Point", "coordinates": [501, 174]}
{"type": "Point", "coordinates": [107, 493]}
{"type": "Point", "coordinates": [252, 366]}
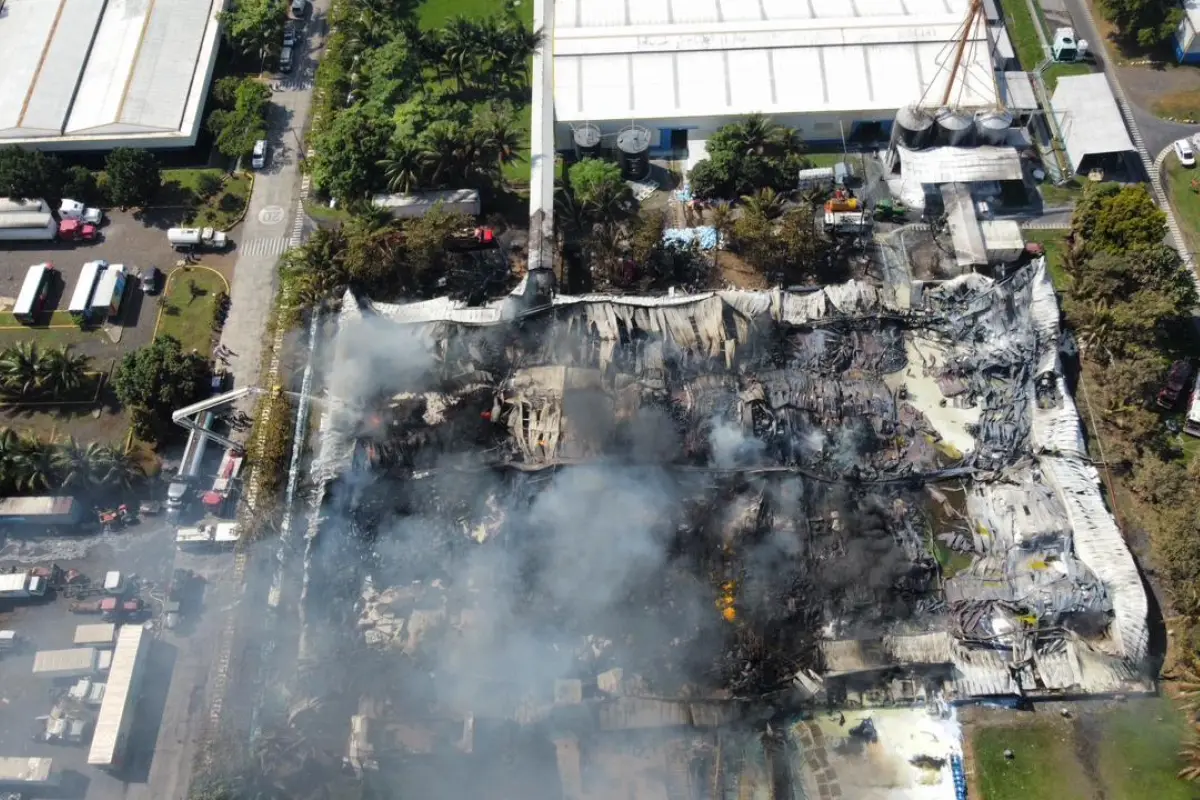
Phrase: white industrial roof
{"type": "Point", "coordinates": [1191, 9]}
{"type": "Point", "coordinates": [1088, 117]}
{"type": "Point", "coordinates": [86, 68]}
{"type": "Point", "coordinates": [960, 164]}
{"type": "Point", "coordinates": [653, 59]}
{"type": "Point", "coordinates": [1016, 91]}
{"type": "Point", "coordinates": [119, 697]}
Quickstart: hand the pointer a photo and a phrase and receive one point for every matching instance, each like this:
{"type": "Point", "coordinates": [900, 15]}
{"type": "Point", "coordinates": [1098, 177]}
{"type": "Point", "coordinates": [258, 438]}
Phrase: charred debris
{"type": "Point", "coordinates": [706, 512]}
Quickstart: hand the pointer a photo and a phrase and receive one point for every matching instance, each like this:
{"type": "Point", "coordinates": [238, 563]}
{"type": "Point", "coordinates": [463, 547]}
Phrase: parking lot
{"type": "Point", "coordinates": [139, 242]}
{"type": "Point", "coordinates": [172, 699]}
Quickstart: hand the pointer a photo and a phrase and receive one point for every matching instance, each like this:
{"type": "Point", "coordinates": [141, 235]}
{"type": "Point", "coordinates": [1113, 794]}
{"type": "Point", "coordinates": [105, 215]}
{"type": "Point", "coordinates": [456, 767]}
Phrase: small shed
{"type": "Point", "coordinates": [1090, 121]}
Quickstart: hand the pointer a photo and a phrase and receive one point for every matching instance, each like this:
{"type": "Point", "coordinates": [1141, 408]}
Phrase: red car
{"type": "Point", "coordinates": [1175, 385]}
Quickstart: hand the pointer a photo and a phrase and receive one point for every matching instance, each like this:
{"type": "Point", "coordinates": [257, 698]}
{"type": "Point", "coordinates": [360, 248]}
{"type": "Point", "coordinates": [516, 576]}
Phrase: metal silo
{"type": "Point", "coordinates": [992, 126]}
{"type": "Point", "coordinates": [955, 128]}
{"type": "Point", "coordinates": [587, 141]}
{"type": "Point", "coordinates": [914, 128]}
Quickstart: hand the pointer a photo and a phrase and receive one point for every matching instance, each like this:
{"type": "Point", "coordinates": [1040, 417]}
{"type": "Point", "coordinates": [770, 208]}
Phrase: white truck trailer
{"type": "Point", "coordinates": [101, 634]}
{"type": "Point", "coordinates": [21, 586]}
{"type": "Point", "coordinates": [18, 774]}
{"type": "Point", "coordinates": [28, 226]}
{"type": "Point", "coordinates": [207, 535]}
{"type": "Point", "coordinates": [75, 662]}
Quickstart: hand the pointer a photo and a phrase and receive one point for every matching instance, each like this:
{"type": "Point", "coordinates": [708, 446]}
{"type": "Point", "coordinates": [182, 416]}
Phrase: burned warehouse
{"type": "Point", "coordinates": [607, 515]}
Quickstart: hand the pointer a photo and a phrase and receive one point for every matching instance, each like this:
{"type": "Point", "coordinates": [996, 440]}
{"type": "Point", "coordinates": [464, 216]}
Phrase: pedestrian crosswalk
{"type": "Point", "coordinates": [265, 247]}
{"type": "Point", "coordinates": [297, 225]}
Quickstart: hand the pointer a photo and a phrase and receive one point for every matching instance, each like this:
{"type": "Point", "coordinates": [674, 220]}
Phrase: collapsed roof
{"type": "Point", "coordinates": [871, 479]}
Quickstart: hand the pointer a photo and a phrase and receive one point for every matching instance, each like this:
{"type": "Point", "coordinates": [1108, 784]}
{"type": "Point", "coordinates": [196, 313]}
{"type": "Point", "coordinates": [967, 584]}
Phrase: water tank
{"type": "Point", "coordinates": [955, 128]}
{"type": "Point", "coordinates": [914, 128]}
{"type": "Point", "coordinates": [587, 141]}
{"type": "Point", "coordinates": [633, 150]}
{"type": "Point", "coordinates": [992, 126]}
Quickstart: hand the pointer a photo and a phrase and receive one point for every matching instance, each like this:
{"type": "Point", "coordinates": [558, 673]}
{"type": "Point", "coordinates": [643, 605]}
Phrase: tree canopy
{"type": "Point", "coordinates": [1149, 23]}
{"type": "Point", "coordinates": [159, 378]}
{"type": "Point", "coordinates": [746, 156]}
{"type": "Point", "coordinates": [29, 174]}
{"type": "Point", "coordinates": [133, 176]}
{"type": "Point", "coordinates": [255, 27]}
{"type": "Point", "coordinates": [347, 154]}
{"type": "Point", "coordinates": [1118, 219]}
{"type": "Point", "coordinates": [244, 121]}
{"type": "Point", "coordinates": [599, 187]}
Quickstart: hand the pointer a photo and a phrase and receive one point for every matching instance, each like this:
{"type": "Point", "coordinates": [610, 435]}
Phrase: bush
{"type": "Point", "coordinates": [220, 310]}
{"type": "Point", "coordinates": [208, 184]}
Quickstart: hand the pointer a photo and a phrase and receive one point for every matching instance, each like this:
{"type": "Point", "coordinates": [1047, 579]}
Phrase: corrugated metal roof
{"type": "Point", "coordinates": [638, 59]}
{"type": "Point", "coordinates": [97, 66]}
{"type": "Point", "coordinates": [1089, 118]}
{"type": "Point", "coordinates": [960, 165]}
{"type": "Point", "coordinates": [119, 699]}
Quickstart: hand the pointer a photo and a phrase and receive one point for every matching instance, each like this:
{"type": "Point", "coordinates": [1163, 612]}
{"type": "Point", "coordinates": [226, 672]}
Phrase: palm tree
{"type": "Point", "coordinates": [765, 202]}
{"type": "Point", "coordinates": [121, 470]}
{"type": "Point", "coordinates": [9, 451]}
{"type": "Point", "coordinates": [504, 139]}
{"type": "Point", "coordinates": [721, 220]}
{"type": "Point", "coordinates": [459, 41]}
{"type": "Point", "coordinates": [1094, 327]}
{"type": "Point", "coordinates": [19, 368]}
{"type": "Point", "coordinates": [34, 465]}
{"type": "Point", "coordinates": [442, 143]}
{"type": "Point", "coordinates": [60, 372]}
{"type": "Point", "coordinates": [1191, 755]}
{"type": "Point", "coordinates": [404, 167]}
{"type": "Point", "coordinates": [520, 44]}
{"type": "Point", "coordinates": [79, 467]}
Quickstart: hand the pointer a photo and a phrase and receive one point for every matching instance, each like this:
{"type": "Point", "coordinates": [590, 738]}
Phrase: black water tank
{"type": "Point", "coordinates": [633, 150]}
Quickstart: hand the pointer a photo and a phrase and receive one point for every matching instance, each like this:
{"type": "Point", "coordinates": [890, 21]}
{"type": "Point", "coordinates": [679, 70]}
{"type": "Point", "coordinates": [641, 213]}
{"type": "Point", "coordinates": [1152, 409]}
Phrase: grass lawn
{"type": "Point", "coordinates": [1183, 105]}
{"type": "Point", "coordinates": [186, 318]}
{"type": "Point", "coordinates": [215, 198]}
{"type": "Point", "coordinates": [1139, 750]}
{"type": "Point", "coordinates": [1055, 243]}
{"type": "Point", "coordinates": [1184, 200]}
{"type": "Point", "coordinates": [829, 159]}
{"type": "Point", "coordinates": [435, 13]}
{"type": "Point", "coordinates": [1058, 196]}
{"type": "Point", "coordinates": [1023, 31]}
{"type": "Point", "coordinates": [1040, 769]}
{"type": "Point", "coordinates": [1055, 71]}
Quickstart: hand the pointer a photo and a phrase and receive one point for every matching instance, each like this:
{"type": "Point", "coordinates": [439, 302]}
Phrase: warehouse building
{"type": "Point", "coordinates": [675, 72]}
{"type": "Point", "coordinates": [98, 74]}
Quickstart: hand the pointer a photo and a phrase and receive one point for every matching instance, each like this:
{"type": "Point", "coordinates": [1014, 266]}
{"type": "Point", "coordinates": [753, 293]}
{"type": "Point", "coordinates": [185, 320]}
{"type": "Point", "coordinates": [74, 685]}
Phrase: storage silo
{"type": "Point", "coordinates": [587, 141]}
{"type": "Point", "coordinates": [633, 151]}
{"type": "Point", "coordinates": [992, 126]}
{"type": "Point", "coordinates": [955, 128]}
{"type": "Point", "coordinates": [914, 128]}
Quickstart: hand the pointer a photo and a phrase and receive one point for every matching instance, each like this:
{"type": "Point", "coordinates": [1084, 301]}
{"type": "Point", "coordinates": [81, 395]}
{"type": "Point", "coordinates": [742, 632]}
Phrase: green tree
{"type": "Point", "coordinates": [425, 243]}
{"type": "Point", "coordinates": [254, 27]}
{"type": "Point", "coordinates": [20, 366]}
{"type": "Point", "coordinates": [60, 372]}
{"type": "Point", "coordinates": [160, 377]}
{"type": "Point", "coordinates": [600, 188]}
{"type": "Point", "coordinates": [388, 74]}
{"type": "Point", "coordinates": [766, 201]}
{"type": "Point", "coordinates": [347, 154]}
{"type": "Point", "coordinates": [35, 465]}
{"type": "Point", "coordinates": [79, 467]}
{"type": "Point", "coordinates": [121, 470]}
{"type": "Point", "coordinates": [29, 174]}
{"type": "Point", "coordinates": [238, 128]}
{"type": "Point", "coordinates": [1118, 219]}
{"type": "Point", "coordinates": [133, 176]}
{"type": "Point", "coordinates": [1149, 23]}
{"type": "Point", "coordinates": [80, 184]}
{"type": "Point", "coordinates": [10, 452]}
{"type": "Point", "coordinates": [404, 166]}
{"type": "Point", "coordinates": [460, 47]}
{"type": "Point", "coordinates": [749, 155]}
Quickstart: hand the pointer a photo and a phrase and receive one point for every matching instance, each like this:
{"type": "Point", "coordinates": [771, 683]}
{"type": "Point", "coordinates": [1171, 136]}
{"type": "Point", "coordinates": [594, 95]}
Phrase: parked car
{"type": "Point", "coordinates": [285, 60]}
{"type": "Point", "coordinates": [1175, 385]}
{"type": "Point", "coordinates": [150, 280]}
{"type": "Point", "coordinates": [298, 7]}
{"type": "Point", "coordinates": [258, 158]}
{"type": "Point", "coordinates": [1185, 153]}
{"type": "Point", "coordinates": [289, 34]}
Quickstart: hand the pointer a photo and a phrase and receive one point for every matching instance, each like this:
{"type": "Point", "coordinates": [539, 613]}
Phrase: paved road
{"type": "Point", "coordinates": [1156, 133]}
{"type": "Point", "coordinates": [275, 220]}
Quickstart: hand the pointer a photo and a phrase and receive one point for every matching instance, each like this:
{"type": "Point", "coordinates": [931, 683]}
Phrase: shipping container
{"type": "Point", "coordinates": [74, 662]}
{"type": "Point", "coordinates": [120, 698]}
{"type": "Point", "coordinates": [81, 298]}
{"type": "Point", "coordinates": [106, 302]}
{"type": "Point", "coordinates": [102, 634]}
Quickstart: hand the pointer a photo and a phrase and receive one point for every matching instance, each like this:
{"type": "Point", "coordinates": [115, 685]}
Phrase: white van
{"type": "Point", "coordinates": [285, 60]}
{"type": "Point", "coordinates": [258, 158]}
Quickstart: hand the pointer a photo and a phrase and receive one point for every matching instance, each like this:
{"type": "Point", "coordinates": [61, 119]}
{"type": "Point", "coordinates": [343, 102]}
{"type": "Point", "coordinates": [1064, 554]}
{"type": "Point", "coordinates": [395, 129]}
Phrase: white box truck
{"type": "Point", "coordinates": [21, 586]}
{"type": "Point", "coordinates": [27, 773]}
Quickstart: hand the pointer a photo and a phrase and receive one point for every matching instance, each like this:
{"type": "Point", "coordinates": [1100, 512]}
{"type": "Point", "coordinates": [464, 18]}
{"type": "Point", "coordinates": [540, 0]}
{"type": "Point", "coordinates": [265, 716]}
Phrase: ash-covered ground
{"type": "Point", "coordinates": [620, 515]}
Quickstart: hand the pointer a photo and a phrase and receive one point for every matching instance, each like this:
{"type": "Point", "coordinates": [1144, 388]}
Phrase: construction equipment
{"type": "Point", "coordinates": [841, 201]}
{"type": "Point", "coordinates": [84, 607]}
{"type": "Point", "coordinates": [890, 210]}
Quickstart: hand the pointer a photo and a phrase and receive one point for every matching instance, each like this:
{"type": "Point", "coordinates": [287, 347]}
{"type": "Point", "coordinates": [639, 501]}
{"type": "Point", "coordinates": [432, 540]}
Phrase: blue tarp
{"type": "Point", "coordinates": [706, 236]}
